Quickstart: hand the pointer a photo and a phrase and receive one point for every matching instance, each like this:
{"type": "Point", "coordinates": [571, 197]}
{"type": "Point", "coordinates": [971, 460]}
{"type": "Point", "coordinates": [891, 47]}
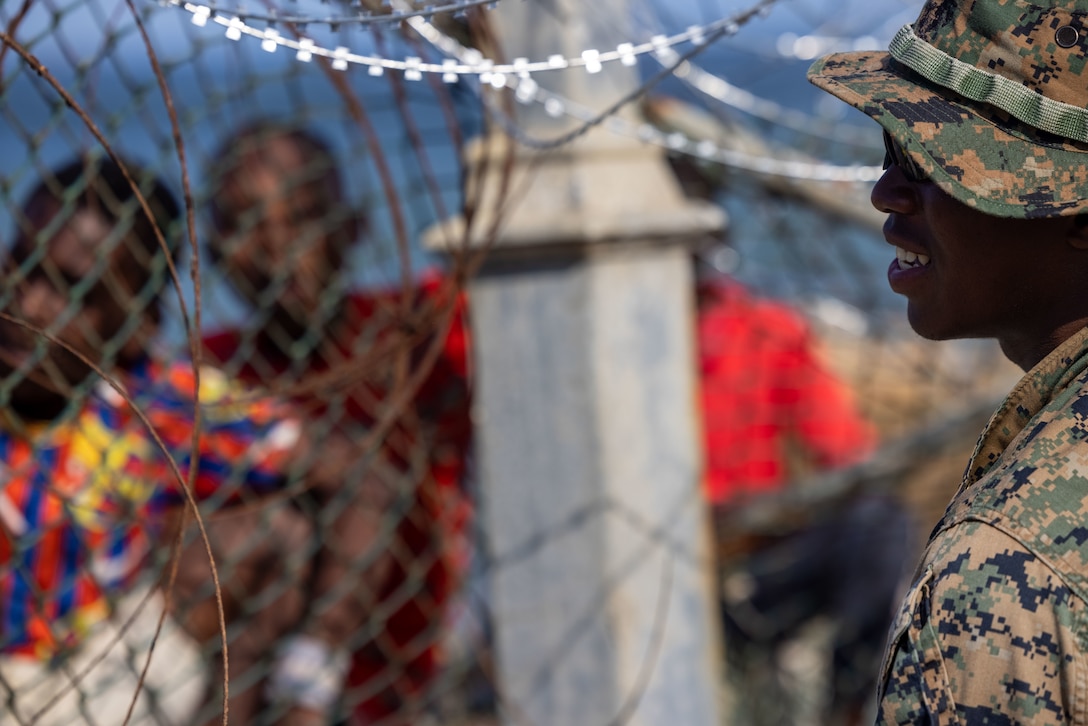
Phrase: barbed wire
{"type": "Point", "coordinates": [527, 90]}
{"type": "Point", "coordinates": [391, 412]}
{"type": "Point", "coordinates": [706, 150]}
{"type": "Point", "coordinates": [472, 62]}
{"type": "Point", "coordinates": [656, 538]}
{"type": "Point", "coordinates": [517, 75]}
{"type": "Point", "coordinates": [362, 18]}
{"type": "Point", "coordinates": [719, 89]}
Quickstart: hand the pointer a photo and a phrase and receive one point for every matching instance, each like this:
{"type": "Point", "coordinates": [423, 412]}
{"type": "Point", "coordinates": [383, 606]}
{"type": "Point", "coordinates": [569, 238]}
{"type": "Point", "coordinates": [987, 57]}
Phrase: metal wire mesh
{"type": "Point", "coordinates": [350, 346]}
{"type": "Point", "coordinates": [265, 222]}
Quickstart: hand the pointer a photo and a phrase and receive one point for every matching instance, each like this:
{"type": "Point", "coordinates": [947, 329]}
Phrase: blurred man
{"type": "Point", "coordinates": [768, 398]}
{"type": "Point", "coordinates": [88, 463]}
{"type": "Point", "coordinates": [283, 229]}
{"type": "Point", "coordinates": [982, 105]}
{"type": "Point", "coordinates": [773, 413]}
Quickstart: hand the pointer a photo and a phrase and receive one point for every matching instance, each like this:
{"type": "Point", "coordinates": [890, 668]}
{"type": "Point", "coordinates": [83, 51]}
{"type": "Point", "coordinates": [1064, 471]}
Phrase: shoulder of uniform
{"type": "Point", "coordinates": [1035, 500]}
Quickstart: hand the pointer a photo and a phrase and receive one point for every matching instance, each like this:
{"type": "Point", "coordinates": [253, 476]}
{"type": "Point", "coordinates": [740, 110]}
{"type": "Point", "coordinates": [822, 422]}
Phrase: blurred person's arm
{"type": "Point", "coordinates": [248, 441]}
{"type": "Point", "coordinates": [254, 445]}
{"type": "Point", "coordinates": [355, 492]}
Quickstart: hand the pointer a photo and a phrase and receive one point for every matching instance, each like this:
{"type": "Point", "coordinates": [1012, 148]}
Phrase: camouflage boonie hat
{"type": "Point", "coordinates": [989, 97]}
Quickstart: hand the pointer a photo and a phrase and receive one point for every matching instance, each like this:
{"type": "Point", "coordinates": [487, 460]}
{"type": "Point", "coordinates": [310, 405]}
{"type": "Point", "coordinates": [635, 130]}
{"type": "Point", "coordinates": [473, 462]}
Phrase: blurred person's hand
{"type": "Point", "coordinates": [300, 716]}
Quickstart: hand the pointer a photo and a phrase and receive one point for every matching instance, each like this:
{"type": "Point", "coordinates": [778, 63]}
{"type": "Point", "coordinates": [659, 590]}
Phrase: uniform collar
{"type": "Point", "coordinates": [1035, 391]}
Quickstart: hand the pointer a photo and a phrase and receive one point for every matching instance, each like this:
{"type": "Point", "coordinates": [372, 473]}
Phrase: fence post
{"type": "Point", "coordinates": [588, 436]}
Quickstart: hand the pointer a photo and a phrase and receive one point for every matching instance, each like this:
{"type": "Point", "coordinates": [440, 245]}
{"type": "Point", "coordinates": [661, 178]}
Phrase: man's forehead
{"type": "Point", "coordinates": [276, 155]}
{"type": "Point", "coordinates": [249, 181]}
{"type": "Point", "coordinates": [275, 162]}
{"type": "Point", "coordinates": [259, 177]}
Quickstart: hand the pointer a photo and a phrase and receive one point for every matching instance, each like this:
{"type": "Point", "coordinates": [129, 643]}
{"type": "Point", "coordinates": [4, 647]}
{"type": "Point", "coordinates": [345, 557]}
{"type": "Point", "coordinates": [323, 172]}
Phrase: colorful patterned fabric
{"type": "Point", "coordinates": [80, 498]}
{"type": "Point", "coordinates": [988, 96]}
{"type": "Point", "coordinates": [764, 388]}
{"type": "Point", "coordinates": [429, 541]}
{"type": "Point", "coordinates": [995, 627]}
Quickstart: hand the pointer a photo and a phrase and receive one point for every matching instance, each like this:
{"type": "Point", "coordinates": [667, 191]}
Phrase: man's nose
{"type": "Point", "coordinates": [894, 193]}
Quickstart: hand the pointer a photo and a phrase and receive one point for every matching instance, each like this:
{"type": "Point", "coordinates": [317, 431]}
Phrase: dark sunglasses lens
{"type": "Point", "coordinates": [894, 154]}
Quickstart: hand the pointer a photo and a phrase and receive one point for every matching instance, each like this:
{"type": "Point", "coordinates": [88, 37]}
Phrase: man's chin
{"type": "Point", "coordinates": [34, 402]}
{"type": "Point", "coordinates": [38, 400]}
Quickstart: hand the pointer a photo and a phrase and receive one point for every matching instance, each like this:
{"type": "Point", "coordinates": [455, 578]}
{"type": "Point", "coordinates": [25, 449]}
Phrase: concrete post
{"type": "Point", "coordinates": [586, 415]}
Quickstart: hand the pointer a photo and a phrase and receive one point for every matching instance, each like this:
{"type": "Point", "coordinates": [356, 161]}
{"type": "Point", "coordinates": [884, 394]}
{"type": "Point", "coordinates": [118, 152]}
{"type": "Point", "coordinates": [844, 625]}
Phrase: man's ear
{"type": "Point", "coordinates": [1078, 232]}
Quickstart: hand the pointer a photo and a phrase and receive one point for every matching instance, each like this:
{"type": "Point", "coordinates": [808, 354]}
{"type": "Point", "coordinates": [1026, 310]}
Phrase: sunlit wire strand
{"type": "Point", "coordinates": [471, 61]}
{"type": "Point", "coordinates": [363, 17]}
{"type": "Point", "coordinates": [721, 90]}
{"type": "Point", "coordinates": [529, 91]}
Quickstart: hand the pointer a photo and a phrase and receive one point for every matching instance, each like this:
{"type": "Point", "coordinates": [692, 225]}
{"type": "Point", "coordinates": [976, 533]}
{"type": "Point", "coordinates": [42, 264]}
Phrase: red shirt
{"type": "Point", "coordinates": [763, 387]}
{"type": "Point", "coordinates": [401, 659]}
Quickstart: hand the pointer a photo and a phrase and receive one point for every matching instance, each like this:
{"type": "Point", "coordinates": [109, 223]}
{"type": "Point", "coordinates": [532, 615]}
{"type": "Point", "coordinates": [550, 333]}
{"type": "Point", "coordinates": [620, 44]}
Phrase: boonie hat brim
{"type": "Point", "coordinates": [978, 154]}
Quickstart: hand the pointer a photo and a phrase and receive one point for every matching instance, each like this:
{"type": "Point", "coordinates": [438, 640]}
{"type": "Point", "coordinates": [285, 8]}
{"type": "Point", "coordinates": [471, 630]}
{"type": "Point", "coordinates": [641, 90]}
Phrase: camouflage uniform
{"type": "Point", "coordinates": [989, 100]}
{"type": "Point", "coordinates": [994, 628]}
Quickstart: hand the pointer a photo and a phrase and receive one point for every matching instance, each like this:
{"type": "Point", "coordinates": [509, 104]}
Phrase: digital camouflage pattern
{"type": "Point", "coordinates": [994, 628]}
{"type": "Point", "coordinates": [988, 96]}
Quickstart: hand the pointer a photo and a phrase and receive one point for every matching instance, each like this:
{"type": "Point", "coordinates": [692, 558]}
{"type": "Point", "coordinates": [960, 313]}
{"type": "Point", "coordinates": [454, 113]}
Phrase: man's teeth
{"type": "Point", "coordinates": [910, 259]}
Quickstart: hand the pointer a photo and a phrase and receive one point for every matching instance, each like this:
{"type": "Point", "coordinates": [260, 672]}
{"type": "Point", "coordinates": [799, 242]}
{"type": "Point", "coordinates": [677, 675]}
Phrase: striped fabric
{"type": "Point", "coordinates": [79, 498]}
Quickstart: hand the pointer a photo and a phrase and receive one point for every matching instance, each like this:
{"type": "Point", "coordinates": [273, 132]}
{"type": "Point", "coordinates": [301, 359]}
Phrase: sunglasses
{"type": "Point", "coordinates": [895, 155]}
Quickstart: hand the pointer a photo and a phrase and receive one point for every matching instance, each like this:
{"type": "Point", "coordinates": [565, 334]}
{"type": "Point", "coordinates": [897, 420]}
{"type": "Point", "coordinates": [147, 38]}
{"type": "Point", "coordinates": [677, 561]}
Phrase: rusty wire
{"type": "Point", "coordinates": [398, 178]}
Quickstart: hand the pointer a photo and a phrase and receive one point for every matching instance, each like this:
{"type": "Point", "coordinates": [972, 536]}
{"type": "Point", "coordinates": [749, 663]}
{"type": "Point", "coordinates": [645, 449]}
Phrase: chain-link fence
{"type": "Point", "coordinates": [225, 205]}
{"type": "Point", "coordinates": [329, 460]}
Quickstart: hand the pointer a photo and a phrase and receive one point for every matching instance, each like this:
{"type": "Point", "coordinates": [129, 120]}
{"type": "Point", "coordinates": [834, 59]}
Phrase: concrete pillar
{"type": "Point", "coordinates": [589, 441]}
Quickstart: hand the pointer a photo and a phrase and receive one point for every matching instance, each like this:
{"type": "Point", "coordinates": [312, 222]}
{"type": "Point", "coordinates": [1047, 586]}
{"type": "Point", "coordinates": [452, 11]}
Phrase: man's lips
{"type": "Point", "coordinates": [909, 253]}
{"type": "Point", "coordinates": [907, 259]}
